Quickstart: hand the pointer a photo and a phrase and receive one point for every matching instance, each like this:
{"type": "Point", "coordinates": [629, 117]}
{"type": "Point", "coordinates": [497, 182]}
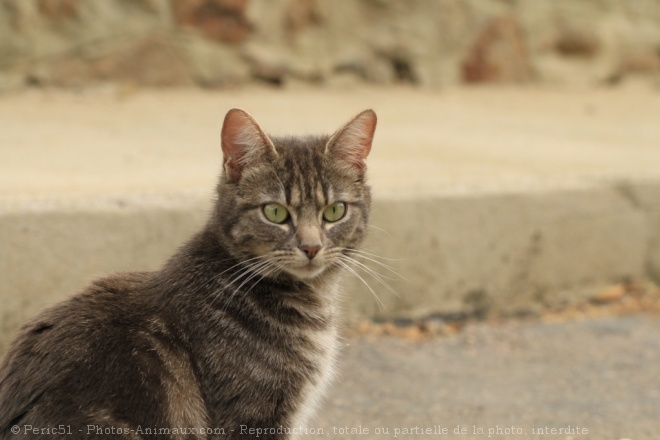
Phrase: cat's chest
{"type": "Point", "coordinates": [324, 353]}
{"type": "Point", "coordinates": [289, 362]}
{"type": "Point", "coordinates": [323, 356]}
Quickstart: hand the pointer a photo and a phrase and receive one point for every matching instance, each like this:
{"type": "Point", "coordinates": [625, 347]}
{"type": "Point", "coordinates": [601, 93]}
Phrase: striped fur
{"type": "Point", "coordinates": [236, 331]}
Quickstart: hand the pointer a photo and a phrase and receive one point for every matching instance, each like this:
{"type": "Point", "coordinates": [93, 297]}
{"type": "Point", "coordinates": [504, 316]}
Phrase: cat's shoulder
{"type": "Point", "coordinates": [119, 283]}
{"type": "Point", "coordinates": [102, 298]}
{"type": "Point", "coordinates": [79, 345]}
{"type": "Point", "coordinates": [79, 318]}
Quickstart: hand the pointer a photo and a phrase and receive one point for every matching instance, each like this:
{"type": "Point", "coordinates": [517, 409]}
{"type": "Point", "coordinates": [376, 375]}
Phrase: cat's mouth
{"type": "Point", "coordinates": [309, 269]}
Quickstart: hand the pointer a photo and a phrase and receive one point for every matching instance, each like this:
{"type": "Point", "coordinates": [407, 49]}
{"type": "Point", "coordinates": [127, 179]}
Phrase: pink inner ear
{"type": "Point", "coordinates": [368, 119]}
{"type": "Point", "coordinates": [242, 139]}
{"type": "Point", "coordinates": [232, 128]}
{"type": "Point", "coordinates": [352, 142]}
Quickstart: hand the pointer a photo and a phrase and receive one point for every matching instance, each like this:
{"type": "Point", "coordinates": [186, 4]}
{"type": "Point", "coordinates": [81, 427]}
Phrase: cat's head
{"type": "Point", "coordinates": [293, 204]}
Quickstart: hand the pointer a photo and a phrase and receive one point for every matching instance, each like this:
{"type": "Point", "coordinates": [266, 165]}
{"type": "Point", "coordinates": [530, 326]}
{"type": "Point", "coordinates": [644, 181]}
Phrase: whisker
{"type": "Point", "coordinates": [273, 268]}
{"type": "Point", "coordinates": [361, 251]}
{"type": "Point", "coordinates": [217, 276]}
{"type": "Point", "coordinates": [248, 270]}
{"type": "Point", "coordinates": [380, 229]}
{"type": "Point", "coordinates": [354, 272]}
{"type": "Point", "coordinates": [378, 276]}
{"type": "Point", "coordinates": [254, 274]}
{"type": "Point", "coordinates": [385, 266]}
{"type": "Point", "coordinates": [357, 254]}
{"type": "Point", "coordinates": [365, 267]}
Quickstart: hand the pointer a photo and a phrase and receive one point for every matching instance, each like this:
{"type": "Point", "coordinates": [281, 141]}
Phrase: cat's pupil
{"type": "Point", "coordinates": [334, 212]}
{"type": "Point", "coordinates": [276, 213]}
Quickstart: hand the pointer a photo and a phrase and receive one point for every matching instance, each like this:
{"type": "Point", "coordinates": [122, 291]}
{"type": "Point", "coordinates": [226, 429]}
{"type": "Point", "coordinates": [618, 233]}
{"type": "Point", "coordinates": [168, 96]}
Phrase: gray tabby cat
{"type": "Point", "coordinates": [236, 335]}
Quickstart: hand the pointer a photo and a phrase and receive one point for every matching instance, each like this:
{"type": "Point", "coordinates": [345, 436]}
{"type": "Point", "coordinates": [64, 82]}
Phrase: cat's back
{"type": "Point", "coordinates": [76, 360]}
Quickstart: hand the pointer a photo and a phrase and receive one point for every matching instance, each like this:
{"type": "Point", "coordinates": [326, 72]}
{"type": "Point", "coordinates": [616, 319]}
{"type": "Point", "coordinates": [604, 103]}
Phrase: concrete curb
{"type": "Point", "coordinates": [506, 252]}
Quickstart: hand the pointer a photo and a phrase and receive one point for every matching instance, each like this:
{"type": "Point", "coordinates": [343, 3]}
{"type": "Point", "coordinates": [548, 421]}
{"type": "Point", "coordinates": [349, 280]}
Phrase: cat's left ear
{"type": "Point", "coordinates": [243, 143]}
{"type": "Point", "coordinates": [352, 142]}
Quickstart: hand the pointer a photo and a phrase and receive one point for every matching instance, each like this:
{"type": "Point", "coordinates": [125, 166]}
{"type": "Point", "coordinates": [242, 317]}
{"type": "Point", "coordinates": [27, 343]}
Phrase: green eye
{"type": "Point", "coordinates": [334, 212]}
{"type": "Point", "coordinates": [276, 213]}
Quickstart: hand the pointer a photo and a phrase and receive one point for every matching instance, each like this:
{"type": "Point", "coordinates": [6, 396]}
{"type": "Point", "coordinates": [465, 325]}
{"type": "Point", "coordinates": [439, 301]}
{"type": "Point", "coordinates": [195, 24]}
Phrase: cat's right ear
{"type": "Point", "coordinates": [243, 143]}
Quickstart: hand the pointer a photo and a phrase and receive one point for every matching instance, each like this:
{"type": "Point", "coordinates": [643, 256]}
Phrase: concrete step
{"type": "Point", "coordinates": [498, 199]}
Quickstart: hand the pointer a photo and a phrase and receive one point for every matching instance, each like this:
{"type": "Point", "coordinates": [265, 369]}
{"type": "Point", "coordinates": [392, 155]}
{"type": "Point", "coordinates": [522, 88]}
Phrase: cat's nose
{"type": "Point", "coordinates": [310, 250]}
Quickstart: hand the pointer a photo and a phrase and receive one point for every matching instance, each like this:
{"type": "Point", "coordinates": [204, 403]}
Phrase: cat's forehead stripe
{"type": "Point", "coordinates": [304, 177]}
{"type": "Point", "coordinates": [320, 193]}
{"type": "Point", "coordinates": [295, 197]}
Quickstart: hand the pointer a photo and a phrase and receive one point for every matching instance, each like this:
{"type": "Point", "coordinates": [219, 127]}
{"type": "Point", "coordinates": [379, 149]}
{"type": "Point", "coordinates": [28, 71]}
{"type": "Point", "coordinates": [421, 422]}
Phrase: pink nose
{"type": "Point", "coordinates": [310, 250]}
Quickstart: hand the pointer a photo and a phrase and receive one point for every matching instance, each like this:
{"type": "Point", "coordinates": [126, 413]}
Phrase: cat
{"type": "Point", "coordinates": [236, 335]}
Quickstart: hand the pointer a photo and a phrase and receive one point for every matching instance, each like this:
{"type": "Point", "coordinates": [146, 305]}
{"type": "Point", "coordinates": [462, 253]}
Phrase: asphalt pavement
{"type": "Point", "coordinates": [589, 379]}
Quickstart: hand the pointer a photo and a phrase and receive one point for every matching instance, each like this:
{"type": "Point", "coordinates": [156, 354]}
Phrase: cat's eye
{"type": "Point", "coordinates": [276, 213]}
{"type": "Point", "coordinates": [334, 212]}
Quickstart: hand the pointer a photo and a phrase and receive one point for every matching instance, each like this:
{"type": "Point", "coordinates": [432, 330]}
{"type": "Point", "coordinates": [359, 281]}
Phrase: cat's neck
{"type": "Point", "coordinates": [203, 277]}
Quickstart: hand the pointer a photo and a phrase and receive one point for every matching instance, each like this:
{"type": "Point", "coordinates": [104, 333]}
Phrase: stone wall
{"type": "Point", "coordinates": [430, 43]}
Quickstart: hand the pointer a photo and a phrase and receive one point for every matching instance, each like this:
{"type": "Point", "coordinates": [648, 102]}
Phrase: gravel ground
{"type": "Point", "coordinates": [596, 374]}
